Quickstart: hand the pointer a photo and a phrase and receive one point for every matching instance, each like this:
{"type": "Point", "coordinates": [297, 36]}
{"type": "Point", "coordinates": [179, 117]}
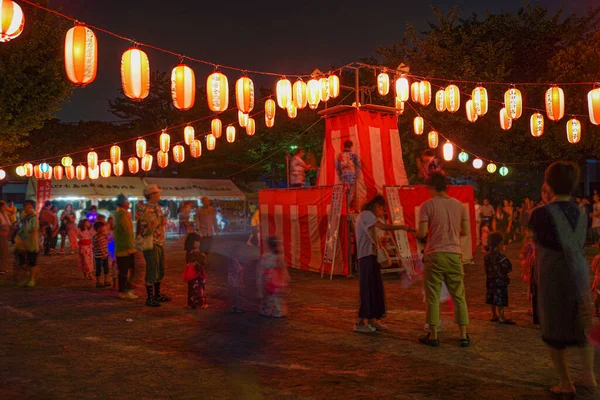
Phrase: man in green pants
{"type": "Point", "coordinates": [442, 221]}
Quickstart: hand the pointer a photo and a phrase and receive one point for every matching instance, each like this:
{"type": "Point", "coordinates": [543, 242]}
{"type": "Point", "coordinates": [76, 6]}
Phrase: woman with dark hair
{"type": "Point", "coordinates": [564, 301]}
{"type": "Point", "coordinates": [68, 229]}
{"type": "Point", "coordinates": [372, 301]}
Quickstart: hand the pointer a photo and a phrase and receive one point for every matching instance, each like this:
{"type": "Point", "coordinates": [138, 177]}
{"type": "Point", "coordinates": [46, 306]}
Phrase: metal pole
{"type": "Point", "coordinates": [356, 86]}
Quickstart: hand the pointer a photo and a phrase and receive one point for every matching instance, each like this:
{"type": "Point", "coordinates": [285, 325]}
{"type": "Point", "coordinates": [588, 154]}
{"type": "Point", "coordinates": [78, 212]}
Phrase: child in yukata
{"type": "Point", "coordinates": [348, 168]}
{"type": "Point", "coordinates": [497, 268]}
{"type": "Point", "coordinates": [235, 280]}
{"type": "Point", "coordinates": [194, 273]}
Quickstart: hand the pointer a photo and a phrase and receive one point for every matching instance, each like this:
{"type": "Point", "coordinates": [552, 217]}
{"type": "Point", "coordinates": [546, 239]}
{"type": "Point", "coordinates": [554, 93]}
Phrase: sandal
{"type": "Point", "coordinates": [466, 342]}
{"type": "Point", "coordinates": [429, 342]}
{"type": "Point", "coordinates": [555, 390]}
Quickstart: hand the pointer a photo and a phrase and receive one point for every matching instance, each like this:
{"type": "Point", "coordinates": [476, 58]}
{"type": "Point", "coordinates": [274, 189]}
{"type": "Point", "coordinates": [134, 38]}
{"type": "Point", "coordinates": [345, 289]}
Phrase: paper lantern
{"type": "Point", "coordinates": [70, 172]}
{"type": "Point", "coordinates": [28, 169]}
{"type": "Point", "coordinates": [270, 107]}
{"type": "Point", "coordinates": [573, 131]}
{"type": "Point", "coordinates": [44, 167]}
{"type": "Point", "coordinates": [452, 93]}
{"type": "Point", "coordinates": [164, 142]}
{"type": "Point", "coordinates": [2, 174]}
{"type": "Point", "coordinates": [463, 157]}
{"type": "Point", "coordinates": [415, 91]}
{"type": "Point", "coordinates": [242, 119]}
{"type": "Point", "coordinates": [399, 106]}
{"type": "Point", "coordinates": [37, 172]}
{"type": "Point", "coordinates": [140, 148]}
{"type": "Point", "coordinates": [188, 134]}
{"type": "Point", "coordinates": [284, 92]}
{"type": "Point", "coordinates": [440, 100]}
{"type": "Point", "coordinates": [555, 103]}
{"type": "Point", "coordinates": [448, 151]}
{"type": "Point", "coordinates": [402, 89]}
{"type": "Point", "coordinates": [325, 92]}
{"type": "Point", "coordinates": [424, 93]}
{"type": "Point", "coordinates": [147, 162]}
{"type": "Point", "coordinates": [66, 161]}
{"type": "Point", "coordinates": [217, 92]}
{"type": "Point", "coordinates": [491, 168]}
{"type": "Point", "coordinates": [480, 100]}
{"type": "Point", "coordinates": [133, 164]}
{"type": "Point", "coordinates": [20, 170]}
{"type": "Point", "coordinates": [183, 87]}
{"type": "Point", "coordinates": [92, 159]}
{"type": "Point", "coordinates": [94, 173]}
{"type": "Point", "coordinates": [418, 125]}
{"type": "Point", "coordinates": [211, 142]}
{"type": "Point", "coordinates": [47, 174]}
{"type": "Point", "coordinates": [536, 124]}
{"type": "Point", "coordinates": [433, 139]}
{"type": "Point", "coordinates": [81, 172]}
{"type": "Point", "coordinates": [503, 171]}
{"type": "Point", "coordinates": [162, 159]}
{"type": "Point", "coordinates": [135, 74]}
{"type": "Point", "coordinates": [81, 55]}
{"type": "Point", "coordinates": [334, 86]}
{"type": "Point", "coordinates": [292, 111]}
{"type": "Point", "coordinates": [594, 106]}
{"type": "Point", "coordinates": [105, 169]}
{"type": "Point", "coordinates": [313, 93]}
{"type": "Point", "coordinates": [244, 94]}
{"type": "Point", "coordinates": [119, 168]}
{"type": "Point", "coordinates": [115, 154]}
{"type": "Point", "coordinates": [12, 20]}
{"type": "Point", "coordinates": [179, 153]}
{"type": "Point", "coordinates": [251, 127]}
{"type": "Point", "coordinates": [383, 84]}
{"type": "Point", "coordinates": [230, 133]}
{"type": "Point", "coordinates": [513, 102]}
{"type": "Point", "coordinates": [269, 122]}
{"type": "Point", "coordinates": [196, 148]}
{"type": "Point", "coordinates": [58, 172]}
{"type": "Point", "coordinates": [477, 163]}
{"type": "Point", "coordinates": [505, 120]}
{"type": "Point", "coordinates": [471, 111]}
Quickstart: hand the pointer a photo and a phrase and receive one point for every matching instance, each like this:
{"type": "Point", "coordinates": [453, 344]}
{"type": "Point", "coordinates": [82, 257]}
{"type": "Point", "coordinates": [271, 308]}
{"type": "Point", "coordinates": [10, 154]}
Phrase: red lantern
{"type": "Point", "coordinates": [270, 107]}
{"type": "Point", "coordinates": [242, 119]}
{"type": "Point", "coordinates": [216, 128]}
{"type": "Point", "coordinates": [573, 131]}
{"type": "Point", "coordinates": [183, 87]}
{"type": "Point", "coordinates": [165, 142]}
{"type": "Point", "coordinates": [334, 86]}
{"type": "Point", "coordinates": [513, 102]}
{"type": "Point", "coordinates": [105, 169]}
{"type": "Point", "coordinates": [135, 74]}
{"type": "Point", "coordinates": [58, 172]}
{"type": "Point", "coordinates": [424, 93]}
{"type": "Point", "coordinates": [299, 95]}
{"type": "Point", "coordinates": [505, 120]}
{"type": "Point", "coordinates": [92, 159]}
{"type": "Point", "coordinates": [433, 139]}
{"type": "Point", "coordinates": [313, 94]}
{"type": "Point", "coordinates": [269, 122]}
{"type": "Point", "coordinates": [325, 92]}
{"type": "Point", "coordinates": [244, 94]}
{"type": "Point", "coordinates": [284, 92]}
{"type": "Point", "coordinates": [383, 84]}
{"type": "Point", "coordinates": [140, 148]}
{"type": "Point", "coordinates": [162, 159]}
{"type": "Point", "coordinates": [402, 90]}
{"type": "Point", "coordinates": [47, 174]}
{"type": "Point", "coordinates": [81, 172]}
{"type": "Point", "coordinates": [555, 103]}
{"type": "Point", "coordinates": [211, 142]}
{"type": "Point", "coordinates": [115, 154]}
{"type": "Point", "coordinates": [415, 91]}
{"type": "Point", "coordinates": [133, 164]}
{"type": "Point", "coordinates": [440, 100]}
{"type": "Point", "coordinates": [119, 168]}
{"type": "Point", "coordinates": [471, 111]}
{"type": "Point", "coordinates": [452, 93]}
{"type": "Point", "coordinates": [12, 20]}
{"type": "Point", "coordinates": [217, 92]}
{"type": "Point", "coordinates": [418, 125]}
{"type": "Point", "coordinates": [230, 133]}
{"type": "Point", "coordinates": [70, 172]}
{"type": "Point", "coordinates": [196, 148]}
{"type": "Point", "coordinates": [188, 134]}
{"type": "Point", "coordinates": [147, 162]}
{"type": "Point", "coordinates": [480, 100]}
{"type": "Point", "coordinates": [292, 111]}
{"type": "Point", "coordinates": [594, 106]}
{"type": "Point", "coordinates": [536, 124]}
{"type": "Point", "coordinates": [178, 153]}
{"type": "Point", "coordinates": [81, 55]}
{"type": "Point", "coordinates": [251, 127]}
{"type": "Point", "coordinates": [38, 172]}
{"type": "Point", "coordinates": [28, 169]}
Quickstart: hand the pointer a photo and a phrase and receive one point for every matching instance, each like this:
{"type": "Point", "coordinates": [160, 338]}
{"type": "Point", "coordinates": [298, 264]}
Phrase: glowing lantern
{"type": "Point", "coordinates": [196, 148]}
{"type": "Point", "coordinates": [448, 151]}
{"type": "Point", "coordinates": [133, 164]}
{"type": "Point", "coordinates": [418, 125]}
{"type": "Point", "coordinates": [243, 119]}
{"type": "Point", "coordinates": [402, 90]}
{"type": "Point", "coordinates": [179, 153]}
{"type": "Point", "coordinates": [270, 107]}
{"type": "Point", "coordinates": [28, 169]}
{"type": "Point", "coordinates": [81, 55]}
{"type": "Point", "coordinates": [463, 157]}
{"type": "Point", "coordinates": [269, 122]}
{"type": "Point", "coordinates": [477, 163]}
{"type": "Point", "coordinates": [20, 170]}
{"type": "Point", "coordinates": [555, 103]}
{"type": "Point", "coordinates": [115, 154]}
{"type": "Point", "coordinates": [12, 20]}
{"type": "Point", "coordinates": [81, 172]}
{"type": "Point", "coordinates": [216, 127]}
{"type": "Point", "coordinates": [292, 111]}
{"type": "Point", "coordinates": [505, 120]}
{"type": "Point", "coordinates": [573, 131]}
{"type": "Point", "coordinates": [325, 92]}
{"type": "Point", "coordinates": [47, 174]}
{"type": "Point", "coordinates": [452, 93]}
{"type": "Point", "coordinates": [2, 174]}
{"type": "Point", "coordinates": [66, 161]}
{"type": "Point", "coordinates": [594, 105]}
{"type": "Point", "coordinates": [183, 87]}
{"type": "Point", "coordinates": [135, 74]}
{"type": "Point", "coordinates": [37, 172]}
{"type": "Point", "coordinates": [433, 139]}
{"type": "Point", "coordinates": [440, 100]}
{"type": "Point", "coordinates": [399, 106]}
{"type": "Point", "coordinates": [244, 94]}
{"type": "Point", "coordinates": [424, 93]}
{"type": "Point", "coordinates": [211, 142]}
{"type": "Point", "coordinates": [383, 83]}
{"type": "Point", "coordinates": [140, 148]}
{"type": "Point", "coordinates": [44, 167]}
{"type": "Point", "coordinates": [119, 168]}
{"type": "Point", "coordinates": [147, 162]}
{"type": "Point", "coordinates": [58, 172]}
{"type": "Point", "coordinates": [164, 142]}
{"type": "Point", "coordinates": [217, 92]}
{"type": "Point", "coordinates": [513, 102]}
{"type": "Point", "coordinates": [92, 159]}
{"type": "Point", "coordinates": [162, 159]}
{"type": "Point", "coordinates": [415, 91]}
{"type": "Point", "coordinates": [334, 86]}
{"type": "Point", "coordinates": [105, 169]}
{"type": "Point", "coordinates": [300, 98]}
{"type": "Point", "coordinates": [480, 100]}
{"type": "Point", "coordinates": [94, 173]}
{"type": "Point", "coordinates": [536, 124]}
{"type": "Point", "coordinates": [313, 93]}
{"type": "Point", "coordinates": [188, 134]}
{"type": "Point", "coordinates": [503, 171]}
{"type": "Point", "coordinates": [284, 92]}
{"type": "Point", "coordinates": [471, 111]}
{"type": "Point", "coordinates": [230, 133]}
{"type": "Point", "coordinates": [491, 168]}
{"type": "Point", "coordinates": [70, 172]}
{"type": "Point", "coordinates": [251, 127]}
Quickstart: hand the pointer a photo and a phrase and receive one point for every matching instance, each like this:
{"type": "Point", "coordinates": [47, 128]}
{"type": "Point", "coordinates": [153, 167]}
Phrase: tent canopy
{"type": "Point", "coordinates": [101, 188]}
{"type": "Point", "coordinates": [196, 188]}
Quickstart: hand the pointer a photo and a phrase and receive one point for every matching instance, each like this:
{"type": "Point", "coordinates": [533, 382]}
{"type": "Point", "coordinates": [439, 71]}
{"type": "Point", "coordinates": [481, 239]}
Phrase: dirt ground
{"type": "Point", "coordinates": [65, 339]}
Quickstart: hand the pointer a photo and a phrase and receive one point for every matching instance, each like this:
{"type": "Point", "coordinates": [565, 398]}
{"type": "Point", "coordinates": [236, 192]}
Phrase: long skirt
{"type": "Point", "coordinates": [372, 297]}
{"type": "Point", "coordinates": [86, 258]}
{"type": "Point", "coordinates": [196, 292]}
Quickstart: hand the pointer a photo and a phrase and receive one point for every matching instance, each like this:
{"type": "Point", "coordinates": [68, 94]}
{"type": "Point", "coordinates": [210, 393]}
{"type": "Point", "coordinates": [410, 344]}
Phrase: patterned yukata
{"type": "Point", "coordinates": [348, 168]}
{"type": "Point", "coordinates": [271, 304]}
{"type": "Point", "coordinates": [235, 280]}
{"type": "Point", "coordinates": [86, 251]}
{"type": "Point", "coordinates": [197, 285]}
{"type": "Point", "coordinates": [152, 222]}
{"type": "Point", "coordinates": [497, 268]}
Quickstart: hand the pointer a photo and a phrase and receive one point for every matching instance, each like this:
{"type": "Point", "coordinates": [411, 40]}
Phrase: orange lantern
{"type": "Point", "coordinates": [452, 93]}
{"type": "Point", "coordinates": [217, 92]}
{"type": "Point", "coordinates": [28, 169]}
{"type": "Point", "coordinates": [243, 119]}
{"type": "Point", "coordinates": [251, 127]}
{"type": "Point", "coordinates": [133, 164]}
{"type": "Point", "coordinates": [480, 100]}
{"type": "Point", "coordinates": [216, 128]}
{"type": "Point", "coordinates": [162, 159]}
{"type": "Point", "coordinates": [270, 106]}
{"type": "Point", "coordinates": [211, 142]}
{"type": "Point", "coordinates": [383, 84]}
{"type": "Point", "coordinates": [448, 151]}
{"type": "Point", "coordinates": [179, 153]}
{"type": "Point", "coordinates": [92, 159]}
{"type": "Point", "coordinates": [399, 106]}
{"type": "Point", "coordinates": [424, 93]}
{"type": "Point", "coordinates": [284, 92]}
{"type": "Point", "coordinates": [188, 134]}
{"type": "Point", "coordinates": [119, 168]}
{"type": "Point", "coordinates": [269, 122]}
{"type": "Point", "coordinates": [94, 173]}
{"type": "Point", "coordinates": [66, 161]}
{"type": "Point", "coordinates": [115, 154]}
{"type": "Point", "coordinates": [140, 148]}
{"type": "Point", "coordinates": [37, 172]}
{"type": "Point", "coordinates": [58, 172]}
{"type": "Point", "coordinates": [244, 94]}
{"type": "Point", "coordinates": [334, 86]}
{"type": "Point", "coordinates": [325, 92]}
{"type": "Point", "coordinates": [402, 90]}
{"type": "Point", "coordinates": [505, 120]}
{"type": "Point", "coordinates": [536, 124]}
{"type": "Point", "coordinates": [147, 162]}
{"type": "Point", "coordinates": [105, 169]}
{"type": "Point", "coordinates": [70, 172]}
{"type": "Point", "coordinates": [555, 103]}
{"type": "Point", "coordinates": [573, 131]}
{"type": "Point", "coordinates": [183, 87]}
{"type": "Point", "coordinates": [292, 111]}
{"type": "Point", "coordinates": [81, 172]}
{"type": "Point", "coordinates": [46, 172]}
{"type": "Point", "coordinates": [81, 55]}
{"type": "Point", "coordinates": [471, 111]}
{"type": "Point", "coordinates": [594, 106]}
{"type": "Point", "coordinates": [164, 142]}
{"type": "Point", "coordinates": [440, 100]}
{"type": "Point", "coordinates": [135, 74]}
{"type": "Point", "coordinates": [299, 95]}
{"type": "Point", "coordinates": [196, 148]}
{"type": "Point", "coordinates": [415, 92]}
{"type": "Point", "coordinates": [433, 139]}
{"type": "Point", "coordinates": [20, 170]}
{"type": "Point", "coordinates": [313, 93]}
{"type": "Point", "coordinates": [513, 102]}
{"type": "Point", "coordinates": [418, 125]}
{"type": "Point", "coordinates": [230, 133]}
{"type": "Point", "coordinates": [12, 20]}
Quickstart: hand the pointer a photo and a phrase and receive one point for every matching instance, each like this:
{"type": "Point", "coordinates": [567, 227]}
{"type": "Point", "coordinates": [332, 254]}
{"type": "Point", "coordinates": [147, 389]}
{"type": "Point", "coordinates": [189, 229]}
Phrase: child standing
{"type": "Point", "coordinates": [485, 233]}
{"type": "Point", "coordinates": [86, 254]}
{"type": "Point", "coordinates": [497, 268]}
{"type": "Point", "coordinates": [101, 253]}
{"type": "Point", "coordinates": [596, 285]}
{"type": "Point", "coordinates": [194, 273]}
{"type": "Point", "coordinates": [112, 259]}
{"type": "Point", "coordinates": [235, 279]}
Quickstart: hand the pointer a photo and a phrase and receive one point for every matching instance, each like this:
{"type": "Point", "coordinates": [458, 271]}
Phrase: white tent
{"type": "Point", "coordinates": [102, 188]}
{"type": "Point", "coordinates": [216, 189]}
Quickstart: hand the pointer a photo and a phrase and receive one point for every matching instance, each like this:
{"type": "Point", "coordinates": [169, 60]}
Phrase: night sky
{"type": "Point", "coordinates": [279, 36]}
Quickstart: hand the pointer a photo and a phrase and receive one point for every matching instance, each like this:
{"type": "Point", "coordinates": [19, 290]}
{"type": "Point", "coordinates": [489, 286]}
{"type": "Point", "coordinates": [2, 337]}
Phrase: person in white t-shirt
{"type": "Point", "coordinates": [372, 299]}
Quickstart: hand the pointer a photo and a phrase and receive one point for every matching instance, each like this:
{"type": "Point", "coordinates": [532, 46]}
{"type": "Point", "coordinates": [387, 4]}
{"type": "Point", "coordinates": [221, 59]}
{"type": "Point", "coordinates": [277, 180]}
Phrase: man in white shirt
{"type": "Point", "coordinates": [206, 224]}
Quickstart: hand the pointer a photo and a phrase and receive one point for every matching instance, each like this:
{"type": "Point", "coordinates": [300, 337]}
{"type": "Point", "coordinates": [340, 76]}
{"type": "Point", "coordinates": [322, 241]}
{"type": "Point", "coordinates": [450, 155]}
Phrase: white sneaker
{"type": "Point", "coordinates": [128, 296]}
{"type": "Point", "coordinates": [380, 327]}
{"type": "Point", "coordinates": [366, 328]}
